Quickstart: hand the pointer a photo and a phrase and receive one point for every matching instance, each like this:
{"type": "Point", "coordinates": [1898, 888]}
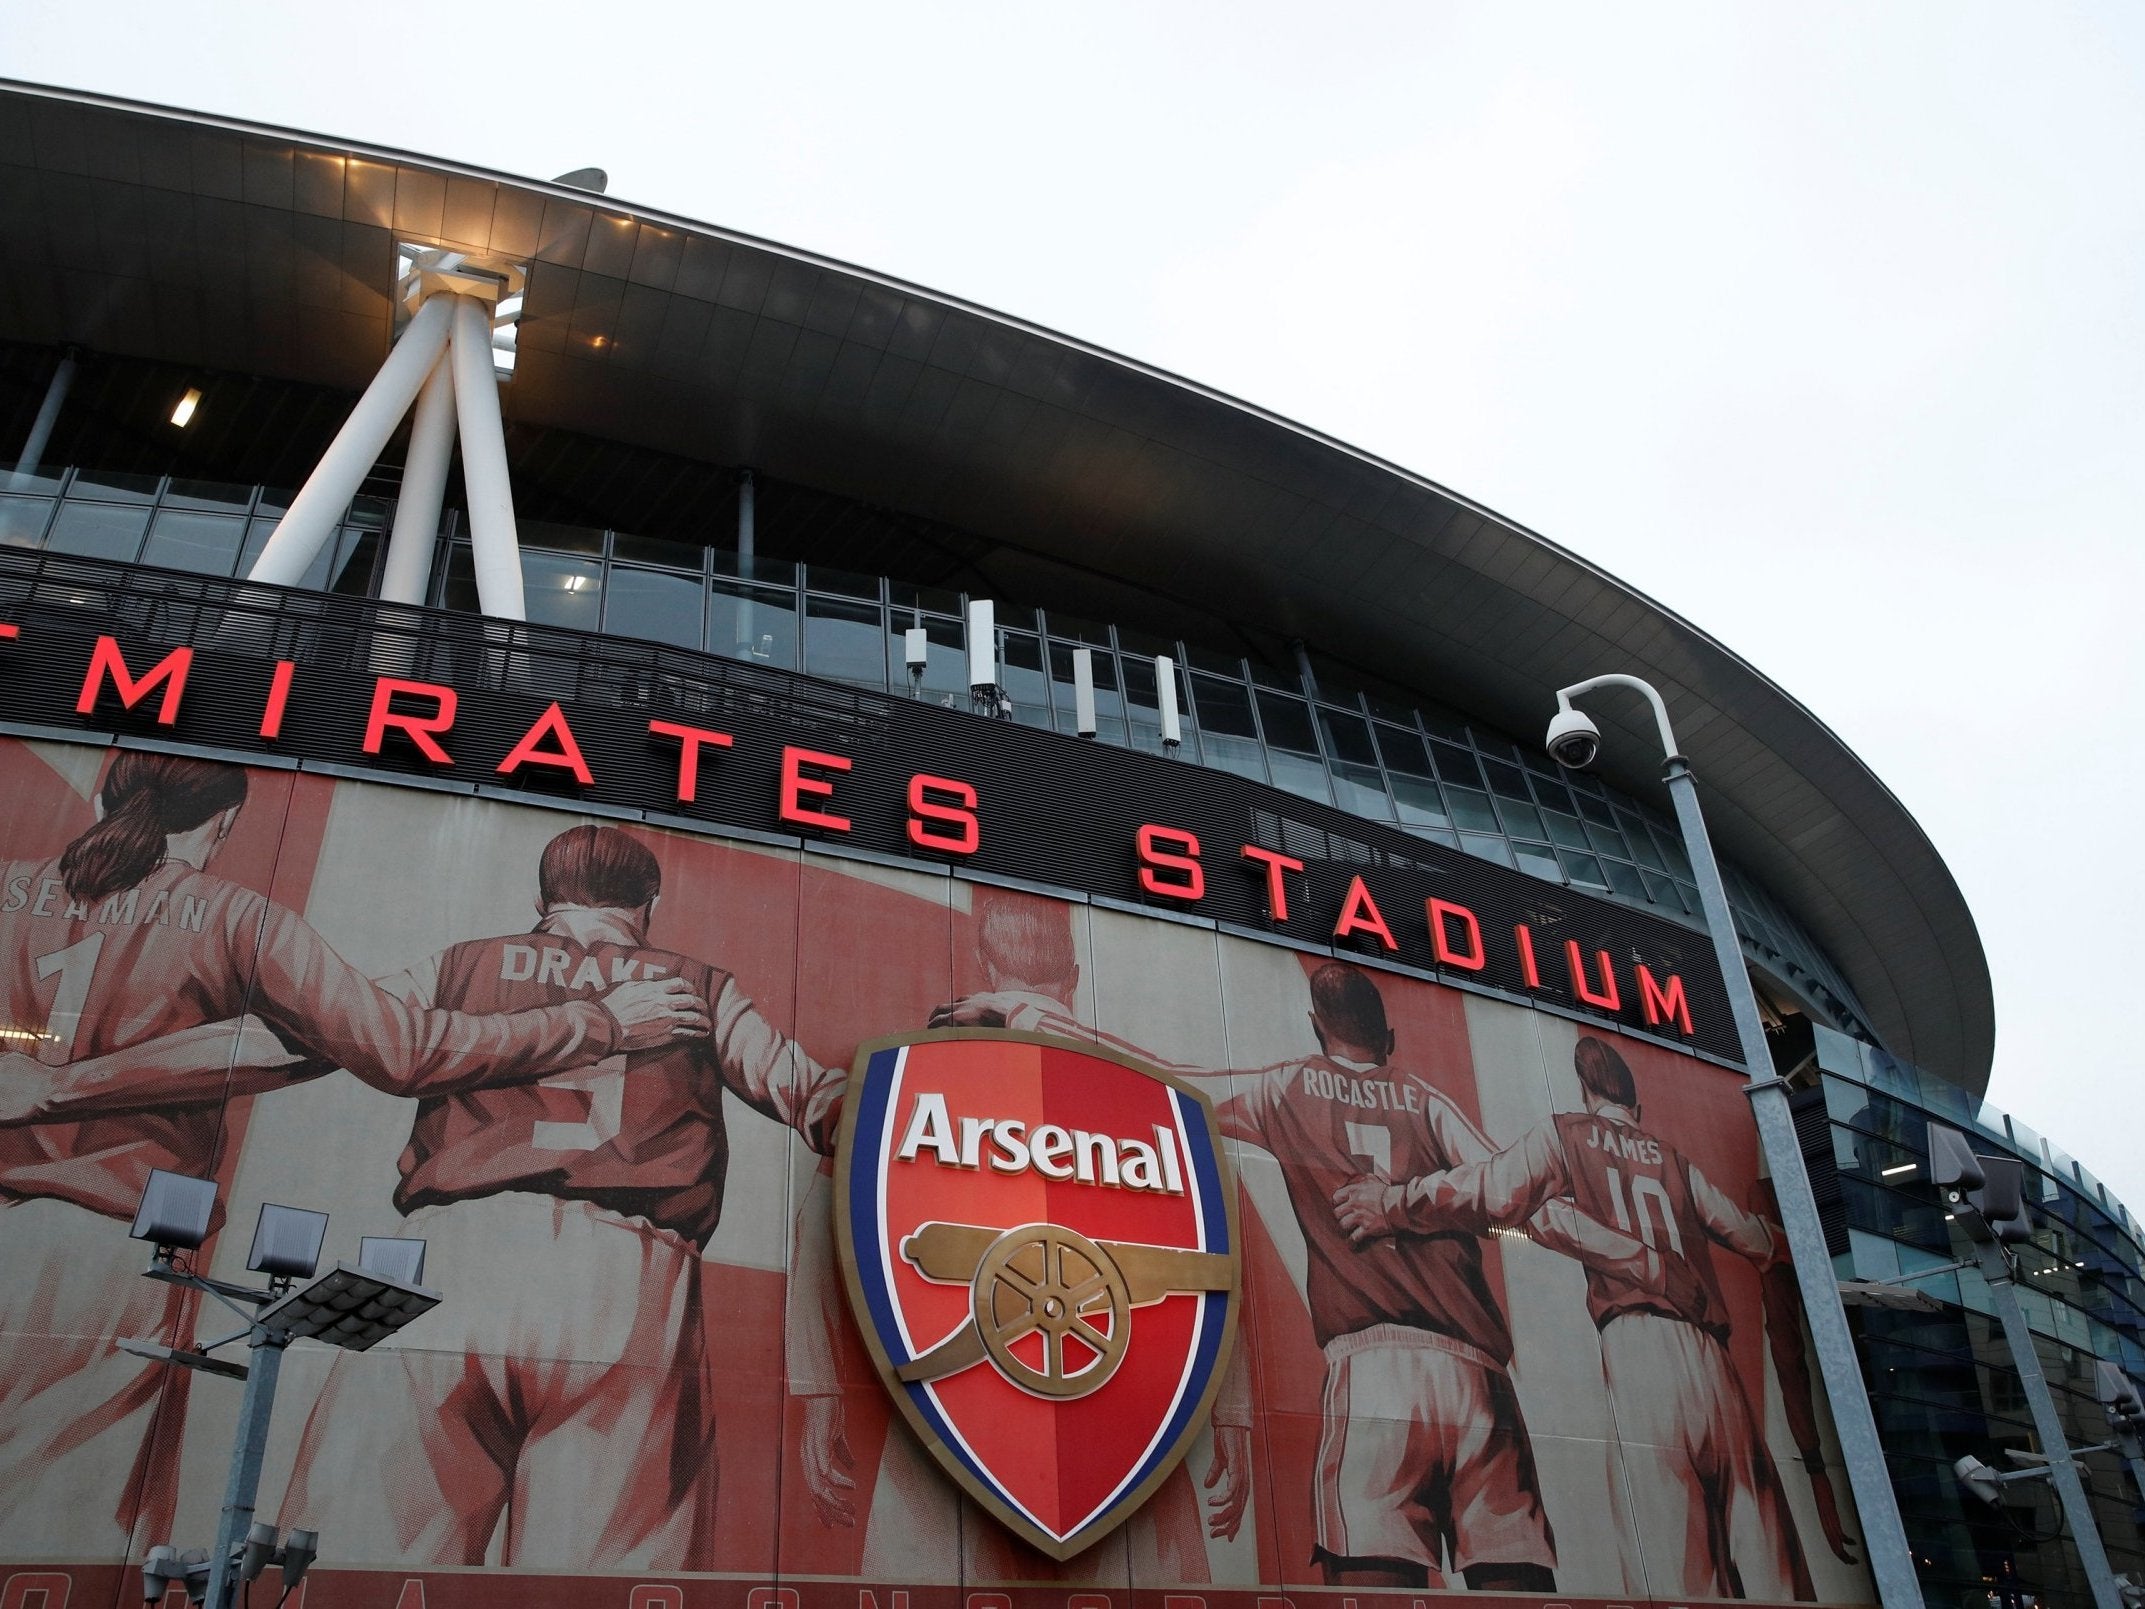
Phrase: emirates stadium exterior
{"type": "Point", "coordinates": [962, 955]}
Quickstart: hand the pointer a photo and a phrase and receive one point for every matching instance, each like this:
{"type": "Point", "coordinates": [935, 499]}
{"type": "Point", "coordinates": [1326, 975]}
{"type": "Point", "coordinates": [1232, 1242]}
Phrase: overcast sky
{"type": "Point", "coordinates": [1819, 323]}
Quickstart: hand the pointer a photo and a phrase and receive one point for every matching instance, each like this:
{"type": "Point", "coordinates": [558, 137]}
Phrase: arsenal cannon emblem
{"type": "Point", "coordinates": [1040, 1244]}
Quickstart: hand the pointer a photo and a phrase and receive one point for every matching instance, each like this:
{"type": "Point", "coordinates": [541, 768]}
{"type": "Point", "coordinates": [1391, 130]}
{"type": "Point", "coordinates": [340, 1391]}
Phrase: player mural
{"type": "Point", "coordinates": [1509, 1312]}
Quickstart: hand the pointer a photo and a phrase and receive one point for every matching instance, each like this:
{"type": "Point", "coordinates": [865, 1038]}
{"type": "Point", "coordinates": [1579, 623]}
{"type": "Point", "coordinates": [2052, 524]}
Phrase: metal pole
{"type": "Point", "coordinates": [48, 415]}
{"type": "Point", "coordinates": [247, 1452]}
{"type": "Point", "coordinates": [2047, 1427]}
{"type": "Point", "coordinates": [1891, 1560]}
{"type": "Point", "coordinates": [318, 507]}
{"type": "Point", "coordinates": [747, 538]}
{"type": "Point", "coordinates": [494, 544]}
{"type": "Point", "coordinates": [424, 487]}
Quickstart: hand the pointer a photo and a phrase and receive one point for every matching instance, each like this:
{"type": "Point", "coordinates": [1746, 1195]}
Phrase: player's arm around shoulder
{"type": "Point", "coordinates": [771, 1072]}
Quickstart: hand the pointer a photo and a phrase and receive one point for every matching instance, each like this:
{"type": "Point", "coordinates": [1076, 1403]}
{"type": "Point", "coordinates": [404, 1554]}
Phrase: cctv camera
{"type": "Point", "coordinates": [1574, 741]}
{"type": "Point", "coordinates": [1978, 1479]}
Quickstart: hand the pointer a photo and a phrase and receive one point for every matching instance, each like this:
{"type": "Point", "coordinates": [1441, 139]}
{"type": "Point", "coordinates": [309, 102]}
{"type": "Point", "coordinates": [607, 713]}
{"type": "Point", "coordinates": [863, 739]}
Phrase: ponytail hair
{"type": "Point", "coordinates": [146, 798]}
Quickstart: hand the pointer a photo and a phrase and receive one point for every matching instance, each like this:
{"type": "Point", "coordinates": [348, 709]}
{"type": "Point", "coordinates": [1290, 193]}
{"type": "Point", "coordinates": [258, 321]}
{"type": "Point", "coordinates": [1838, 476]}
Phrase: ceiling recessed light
{"type": "Point", "coordinates": [183, 414]}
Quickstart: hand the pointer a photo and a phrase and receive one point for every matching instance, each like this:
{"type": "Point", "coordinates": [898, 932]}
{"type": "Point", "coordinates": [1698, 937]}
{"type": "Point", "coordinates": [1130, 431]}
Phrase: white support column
{"type": "Point", "coordinates": [319, 505]}
{"type": "Point", "coordinates": [48, 414]}
{"type": "Point", "coordinates": [495, 546]}
{"type": "Point", "coordinates": [424, 488]}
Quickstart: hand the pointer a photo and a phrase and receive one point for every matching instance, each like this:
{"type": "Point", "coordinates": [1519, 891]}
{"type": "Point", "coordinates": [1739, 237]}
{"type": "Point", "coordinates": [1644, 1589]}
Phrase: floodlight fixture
{"type": "Point", "coordinates": [175, 1213]}
{"type": "Point", "coordinates": [585, 179]}
{"type": "Point", "coordinates": [1084, 691]}
{"type": "Point", "coordinates": [1953, 1167]}
{"type": "Point", "coordinates": [350, 1307]}
{"type": "Point", "coordinates": [1165, 687]}
{"type": "Point", "coordinates": [286, 1242]}
{"type": "Point", "coordinates": [293, 1554]}
{"type": "Point", "coordinates": [395, 1257]}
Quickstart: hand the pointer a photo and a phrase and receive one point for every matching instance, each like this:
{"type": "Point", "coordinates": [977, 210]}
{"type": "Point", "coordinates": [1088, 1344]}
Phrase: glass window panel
{"type": "Point", "coordinates": [1283, 677]}
{"type": "Point", "coordinates": [1507, 780]}
{"type": "Point", "coordinates": [1287, 723]}
{"type": "Point", "coordinates": [46, 479]}
{"type": "Point", "coordinates": [1643, 850]}
{"type": "Point", "coordinates": [357, 559]}
{"type": "Point", "coordinates": [1583, 869]}
{"type": "Point", "coordinates": [1206, 659]}
{"type": "Point", "coordinates": [1538, 860]}
{"type": "Point", "coordinates": [1419, 802]}
{"type": "Point", "coordinates": [1553, 795]}
{"type": "Point", "coordinates": [22, 521]}
{"type": "Point", "coordinates": [1403, 751]}
{"type": "Point", "coordinates": [945, 658]}
{"type": "Point", "coordinates": [844, 641]}
{"type": "Point", "coordinates": [1301, 773]}
{"type": "Point", "coordinates": [1596, 810]}
{"type": "Point", "coordinates": [1471, 810]}
{"type": "Point", "coordinates": [755, 623]}
{"type": "Point", "coordinates": [1436, 835]}
{"type": "Point", "coordinates": [1075, 630]}
{"type": "Point", "coordinates": [1109, 729]}
{"type": "Point", "coordinates": [1672, 851]}
{"type": "Point", "coordinates": [1607, 841]}
{"type": "Point", "coordinates": [550, 538]}
{"type": "Point", "coordinates": [258, 531]}
{"type": "Point", "coordinates": [206, 544]}
{"type": "Point", "coordinates": [846, 583]}
{"type": "Point", "coordinates": [1442, 723]}
{"type": "Point", "coordinates": [1625, 880]}
{"type": "Point", "coordinates": [908, 597]}
{"type": "Point", "coordinates": [1459, 765]}
{"type": "Point", "coordinates": [99, 530]}
{"type": "Point", "coordinates": [1663, 891]}
{"type": "Point", "coordinates": [108, 487]}
{"type": "Point", "coordinates": [779, 572]}
{"type": "Point", "coordinates": [1224, 708]}
{"type": "Point", "coordinates": [213, 496]}
{"type": "Point", "coordinates": [1360, 788]}
{"type": "Point", "coordinates": [1487, 847]}
{"type": "Point", "coordinates": [1243, 755]}
{"type": "Point", "coordinates": [562, 591]}
{"type": "Point", "coordinates": [1024, 681]}
{"type": "Point", "coordinates": [1347, 737]}
{"type": "Point", "coordinates": [671, 555]}
{"type": "Point", "coordinates": [654, 604]}
{"type": "Point", "coordinates": [370, 513]}
{"type": "Point", "coordinates": [1108, 701]}
{"type": "Point", "coordinates": [1387, 710]}
{"type": "Point", "coordinates": [458, 589]}
{"type": "Point", "coordinates": [1567, 832]}
{"type": "Point", "coordinates": [1520, 820]}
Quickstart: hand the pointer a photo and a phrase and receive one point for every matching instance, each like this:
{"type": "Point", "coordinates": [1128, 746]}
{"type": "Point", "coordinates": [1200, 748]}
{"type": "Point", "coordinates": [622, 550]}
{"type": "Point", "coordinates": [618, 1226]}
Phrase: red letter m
{"type": "Point", "coordinates": [107, 660]}
{"type": "Point", "coordinates": [1664, 1005]}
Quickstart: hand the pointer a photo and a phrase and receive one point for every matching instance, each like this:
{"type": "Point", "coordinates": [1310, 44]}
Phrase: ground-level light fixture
{"type": "Point", "coordinates": [352, 1306]}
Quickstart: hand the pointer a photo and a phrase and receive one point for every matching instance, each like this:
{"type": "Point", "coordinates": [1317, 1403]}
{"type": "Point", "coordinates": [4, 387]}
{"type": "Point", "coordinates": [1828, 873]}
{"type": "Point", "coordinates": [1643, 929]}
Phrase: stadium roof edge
{"type": "Point", "coordinates": [732, 349]}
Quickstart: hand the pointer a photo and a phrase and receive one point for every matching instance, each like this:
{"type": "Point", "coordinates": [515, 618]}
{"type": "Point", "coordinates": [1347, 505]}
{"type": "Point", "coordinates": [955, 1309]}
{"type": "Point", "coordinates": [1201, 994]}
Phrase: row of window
{"type": "Point", "coordinates": [1422, 768]}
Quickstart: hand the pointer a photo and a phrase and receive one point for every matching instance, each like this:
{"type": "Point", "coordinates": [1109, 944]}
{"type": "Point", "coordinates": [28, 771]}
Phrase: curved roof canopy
{"type": "Point", "coordinates": [182, 238]}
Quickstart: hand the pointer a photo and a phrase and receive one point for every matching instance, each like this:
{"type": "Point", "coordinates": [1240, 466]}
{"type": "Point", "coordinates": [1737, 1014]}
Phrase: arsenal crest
{"type": "Point", "coordinates": [1040, 1243]}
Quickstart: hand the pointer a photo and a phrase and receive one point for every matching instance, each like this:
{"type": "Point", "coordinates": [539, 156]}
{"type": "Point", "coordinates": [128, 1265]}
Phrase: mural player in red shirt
{"type": "Point", "coordinates": [1700, 1474]}
{"type": "Point", "coordinates": [134, 958]}
{"type": "Point", "coordinates": [564, 1391]}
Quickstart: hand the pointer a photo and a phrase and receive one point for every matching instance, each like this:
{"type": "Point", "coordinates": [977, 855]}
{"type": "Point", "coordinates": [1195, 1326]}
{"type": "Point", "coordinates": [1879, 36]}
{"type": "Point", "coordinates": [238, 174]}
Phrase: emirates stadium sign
{"type": "Point", "coordinates": [1040, 1245]}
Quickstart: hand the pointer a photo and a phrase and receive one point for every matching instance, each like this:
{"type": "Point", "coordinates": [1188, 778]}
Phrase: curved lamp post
{"type": "Point", "coordinates": [1574, 741]}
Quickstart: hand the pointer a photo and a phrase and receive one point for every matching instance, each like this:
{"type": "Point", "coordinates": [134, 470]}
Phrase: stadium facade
{"type": "Point", "coordinates": [521, 856]}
